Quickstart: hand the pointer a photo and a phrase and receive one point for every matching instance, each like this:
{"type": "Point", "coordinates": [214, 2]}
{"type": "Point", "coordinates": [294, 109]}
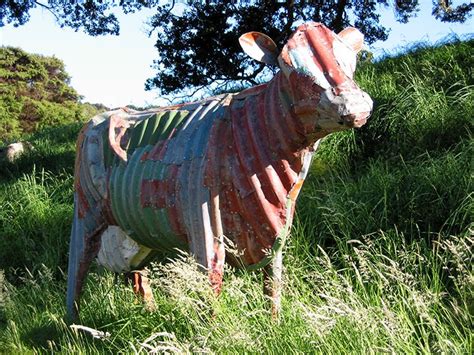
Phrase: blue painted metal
{"type": "Point", "coordinates": [232, 165]}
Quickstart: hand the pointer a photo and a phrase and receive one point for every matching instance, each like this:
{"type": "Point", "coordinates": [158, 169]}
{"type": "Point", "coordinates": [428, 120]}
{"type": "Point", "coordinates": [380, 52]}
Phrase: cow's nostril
{"type": "Point", "coordinates": [349, 118]}
{"type": "Point", "coordinates": [356, 120]}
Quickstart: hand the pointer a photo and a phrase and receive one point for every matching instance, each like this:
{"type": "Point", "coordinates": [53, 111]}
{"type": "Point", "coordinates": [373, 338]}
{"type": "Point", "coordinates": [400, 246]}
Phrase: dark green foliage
{"type": "Point", "coordinates": [35, 93]}
{"type": "Point", "coordinates": [94, 17]}
{"type": "Point", "coordinates": [446, 13]}
{"type": "Point", "coordinates": [198, 46]}
{"type": "Point", "coordinates": [187, 41]}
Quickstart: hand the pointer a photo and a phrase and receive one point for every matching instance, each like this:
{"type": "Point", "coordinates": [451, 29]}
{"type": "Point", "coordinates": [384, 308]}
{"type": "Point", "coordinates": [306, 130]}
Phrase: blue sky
{"type": "Point", "coordinates": [112, 70]}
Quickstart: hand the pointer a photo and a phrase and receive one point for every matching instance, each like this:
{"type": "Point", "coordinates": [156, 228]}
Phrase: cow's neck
{"type": "Point", "coordinates": [267, 163]}
{"type": "Point", "coordinates": [290, 116]}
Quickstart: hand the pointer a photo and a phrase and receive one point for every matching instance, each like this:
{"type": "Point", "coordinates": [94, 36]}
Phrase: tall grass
{"type": "Point", "coordinates": [390, 297]}
{"type": "Point", "coordinates": [380, 258]}
{"type": "Point", "coordinates": [35, 220]}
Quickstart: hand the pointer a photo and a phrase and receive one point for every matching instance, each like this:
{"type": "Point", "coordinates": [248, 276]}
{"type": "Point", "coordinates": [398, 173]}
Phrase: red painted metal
{"type": "Point", "coordinates": [225, 169]}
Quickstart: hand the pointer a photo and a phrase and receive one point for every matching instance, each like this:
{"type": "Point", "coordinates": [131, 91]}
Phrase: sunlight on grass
{"type": "Point", "coordinates": [380, 258]}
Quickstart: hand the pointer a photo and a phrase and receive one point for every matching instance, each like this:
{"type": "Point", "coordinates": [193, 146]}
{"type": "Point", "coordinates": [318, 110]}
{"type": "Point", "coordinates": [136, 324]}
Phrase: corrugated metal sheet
{"type": "Point", "coordinates": [233, 165]}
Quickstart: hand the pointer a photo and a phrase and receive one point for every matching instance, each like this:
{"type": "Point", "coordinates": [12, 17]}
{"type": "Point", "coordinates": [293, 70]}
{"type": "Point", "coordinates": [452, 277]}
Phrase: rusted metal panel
{"type": "Point", "coordinates": [233, 165]}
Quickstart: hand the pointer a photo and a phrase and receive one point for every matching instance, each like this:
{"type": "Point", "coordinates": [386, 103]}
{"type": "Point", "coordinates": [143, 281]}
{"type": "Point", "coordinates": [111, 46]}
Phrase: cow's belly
{"type": "Point", "coordinates": [143, 201]}
{"type": "Point", "coordinates": [157, 195]}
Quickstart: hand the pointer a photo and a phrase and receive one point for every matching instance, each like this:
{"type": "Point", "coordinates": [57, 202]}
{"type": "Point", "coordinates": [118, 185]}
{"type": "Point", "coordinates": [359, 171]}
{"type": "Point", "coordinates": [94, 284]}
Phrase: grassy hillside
{"type": "Point", "coordinates": [380, 257]}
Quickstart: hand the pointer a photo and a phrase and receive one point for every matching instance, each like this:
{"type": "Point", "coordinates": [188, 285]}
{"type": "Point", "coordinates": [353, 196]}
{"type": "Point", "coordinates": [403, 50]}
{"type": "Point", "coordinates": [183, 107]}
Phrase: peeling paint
{"type": "Point", "coordinates": [227, 169]}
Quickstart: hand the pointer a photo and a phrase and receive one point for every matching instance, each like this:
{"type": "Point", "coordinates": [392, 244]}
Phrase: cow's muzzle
{"type": "Point", "coordinates": [356, 120]}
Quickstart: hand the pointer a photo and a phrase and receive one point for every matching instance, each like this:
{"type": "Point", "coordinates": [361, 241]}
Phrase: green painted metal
{"type": "Point", "coordinates": [149, 226]}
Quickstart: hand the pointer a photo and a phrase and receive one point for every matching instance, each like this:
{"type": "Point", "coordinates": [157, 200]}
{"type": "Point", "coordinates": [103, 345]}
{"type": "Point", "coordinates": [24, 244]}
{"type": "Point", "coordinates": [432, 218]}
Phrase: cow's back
{"type": "Point", "coordinates": [150, 195]}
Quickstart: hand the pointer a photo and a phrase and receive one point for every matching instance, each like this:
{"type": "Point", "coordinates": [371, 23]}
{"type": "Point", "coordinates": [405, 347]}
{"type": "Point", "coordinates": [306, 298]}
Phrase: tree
{"type": "Point", "coordinates": [198, 46]}
{"type": "Point", "coordinates": [35, 91]}
{"type": "Point", "coordinates": [94, 17]}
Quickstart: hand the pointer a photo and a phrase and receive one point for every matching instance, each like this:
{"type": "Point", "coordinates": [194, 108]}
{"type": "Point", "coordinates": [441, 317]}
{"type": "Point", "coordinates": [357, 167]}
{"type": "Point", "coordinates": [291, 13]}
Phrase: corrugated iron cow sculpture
{"type": "Point", "coordinates": [227, 169]}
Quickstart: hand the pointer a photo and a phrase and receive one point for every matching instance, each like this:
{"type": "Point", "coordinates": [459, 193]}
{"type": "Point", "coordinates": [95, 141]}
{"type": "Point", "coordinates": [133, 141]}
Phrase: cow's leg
{"type": "Point", "coordinates": [272, 282]}
{"type": "Point", "coordinates": [141, 286]}
{"type": "Point", "coordinates": [206, 240]}
{"type": "Point", "coordinates": [83, 248]}
{"type": "Point", "coordinates": [216, 267]}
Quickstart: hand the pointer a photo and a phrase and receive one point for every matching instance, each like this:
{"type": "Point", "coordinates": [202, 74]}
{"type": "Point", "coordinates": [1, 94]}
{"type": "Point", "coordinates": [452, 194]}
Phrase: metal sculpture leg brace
{"type": "Point", "coordinates": [273, 267]}
{"type": "Point", "coordinates": [272, 272]}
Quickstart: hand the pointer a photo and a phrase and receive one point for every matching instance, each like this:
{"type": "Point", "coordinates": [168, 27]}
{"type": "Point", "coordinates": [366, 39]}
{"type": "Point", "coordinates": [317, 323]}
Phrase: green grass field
{"type": "Point", "coordinates": [380, 258]}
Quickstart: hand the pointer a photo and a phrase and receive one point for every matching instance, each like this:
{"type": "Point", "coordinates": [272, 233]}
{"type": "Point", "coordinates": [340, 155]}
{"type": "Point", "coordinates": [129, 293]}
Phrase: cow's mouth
{"type": "Point", "coordinates": [356, 120]}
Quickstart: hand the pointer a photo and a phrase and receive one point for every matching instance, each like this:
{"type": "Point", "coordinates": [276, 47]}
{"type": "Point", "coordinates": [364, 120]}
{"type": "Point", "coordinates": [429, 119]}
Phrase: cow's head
{"type": "Point", "coordinates": [319, 65]}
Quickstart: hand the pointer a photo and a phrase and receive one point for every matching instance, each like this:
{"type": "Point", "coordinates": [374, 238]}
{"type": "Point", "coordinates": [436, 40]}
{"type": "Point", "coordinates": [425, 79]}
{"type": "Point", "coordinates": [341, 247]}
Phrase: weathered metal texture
{"type": "Point", "coordinates": [140, 194]}
{"type": "Point", "coordinates": [118, 252]}
{"type": "Point", "coordinates": [233, 165]}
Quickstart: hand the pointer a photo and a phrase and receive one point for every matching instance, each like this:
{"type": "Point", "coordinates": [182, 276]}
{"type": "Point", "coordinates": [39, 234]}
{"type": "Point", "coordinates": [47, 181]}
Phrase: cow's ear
{"type": "Point", "coordinates": [353, 38]}
{"type": "Point", "coordinates": [259, 47]}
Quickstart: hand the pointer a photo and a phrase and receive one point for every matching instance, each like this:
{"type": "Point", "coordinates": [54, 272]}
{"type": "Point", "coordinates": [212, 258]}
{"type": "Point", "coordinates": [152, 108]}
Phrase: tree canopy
{"type": "Point", "coordinates": [197, 43]}
{"type": "Point", "coordinates": [199, 46]}
{"type": "Point", "coordinates": [93, 17]}
{"type": "Point", "coordinates": [35, 92]}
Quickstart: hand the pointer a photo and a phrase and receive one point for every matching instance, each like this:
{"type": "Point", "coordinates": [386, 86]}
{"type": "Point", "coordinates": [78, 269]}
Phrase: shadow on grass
{"type": "Point", "coordinates": [54, 151]}
{"type": "Point", "coordinates": [43, 336]}
{"type": "Point", "coordinates": [56, 163]}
